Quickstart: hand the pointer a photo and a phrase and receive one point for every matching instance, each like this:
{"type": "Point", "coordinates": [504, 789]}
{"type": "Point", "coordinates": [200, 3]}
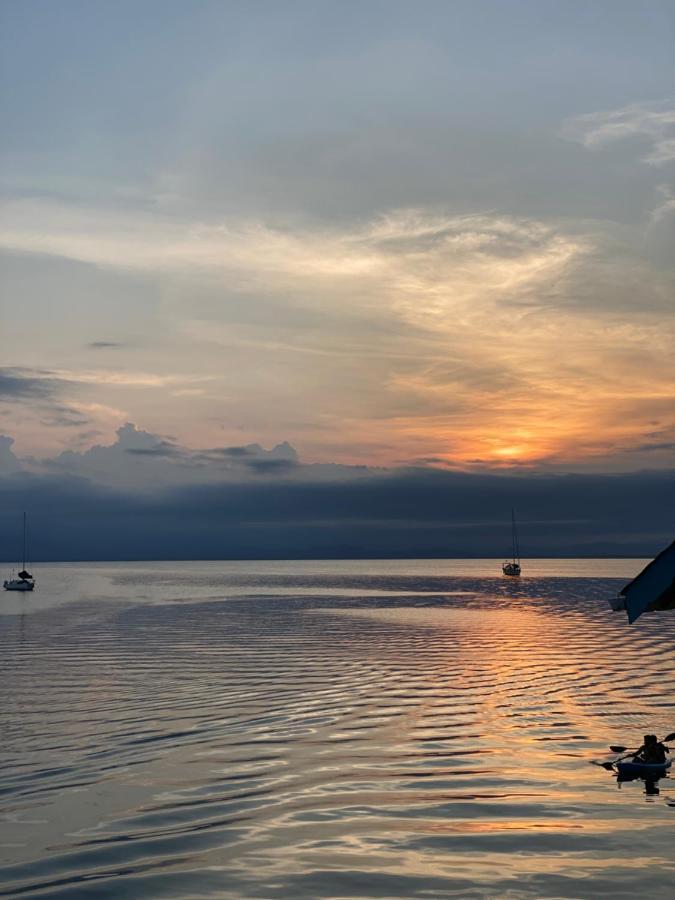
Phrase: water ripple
{"type": "Point", "coordinates": [344, 734]}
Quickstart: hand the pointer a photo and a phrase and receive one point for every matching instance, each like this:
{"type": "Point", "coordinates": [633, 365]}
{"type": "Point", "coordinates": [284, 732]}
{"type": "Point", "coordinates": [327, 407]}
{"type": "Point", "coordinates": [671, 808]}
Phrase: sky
{"type": "Point", "coordinates": [311, 243]}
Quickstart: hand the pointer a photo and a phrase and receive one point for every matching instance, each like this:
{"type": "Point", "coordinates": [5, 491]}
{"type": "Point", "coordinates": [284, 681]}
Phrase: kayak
{"type": "Point", "coordinates": [643, 770]}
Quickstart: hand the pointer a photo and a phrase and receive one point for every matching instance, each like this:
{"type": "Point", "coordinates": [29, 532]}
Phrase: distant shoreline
{"type": "Point", "coordinates": [497, 559]}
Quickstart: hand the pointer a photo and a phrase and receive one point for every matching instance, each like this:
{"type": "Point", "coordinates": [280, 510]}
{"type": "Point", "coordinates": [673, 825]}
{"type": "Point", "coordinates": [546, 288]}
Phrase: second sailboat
{"type": "Point", "coordinates": [512, 566]}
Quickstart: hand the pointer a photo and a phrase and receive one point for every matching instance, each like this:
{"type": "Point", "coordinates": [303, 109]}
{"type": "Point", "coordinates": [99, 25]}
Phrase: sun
{"type": "Point", "coordinates": [512, 451]}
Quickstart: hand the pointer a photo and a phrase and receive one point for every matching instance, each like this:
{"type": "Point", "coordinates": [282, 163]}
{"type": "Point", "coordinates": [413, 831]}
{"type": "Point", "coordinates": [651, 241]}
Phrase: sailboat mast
{"type": "Point", "coordinates": [23, 564]}
{"type": "Point", "coordinates": [516, 548]}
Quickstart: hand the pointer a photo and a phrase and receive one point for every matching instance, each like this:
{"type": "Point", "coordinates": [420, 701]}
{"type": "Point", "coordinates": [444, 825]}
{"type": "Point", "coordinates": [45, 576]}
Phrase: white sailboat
{"type": "Point", "coordinates": [512, 566]}
{"type": "Point", "coordinates": [24, 581]}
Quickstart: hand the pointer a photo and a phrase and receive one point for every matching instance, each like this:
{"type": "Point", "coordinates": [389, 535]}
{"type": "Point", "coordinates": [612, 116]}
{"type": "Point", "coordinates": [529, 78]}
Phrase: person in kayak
{"type": "Point", "coordinates": [652, 752]}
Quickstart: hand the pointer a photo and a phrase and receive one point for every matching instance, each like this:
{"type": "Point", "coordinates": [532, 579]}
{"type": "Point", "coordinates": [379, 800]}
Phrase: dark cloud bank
{"type": "Point", "coordinates": [402, 513]}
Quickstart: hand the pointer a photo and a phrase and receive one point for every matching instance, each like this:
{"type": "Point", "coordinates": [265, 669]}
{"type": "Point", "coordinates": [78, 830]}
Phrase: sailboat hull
{"type": "Point", "coordinates": [18, 585]}
{"type": "Point", "coordinates": [511, 569]}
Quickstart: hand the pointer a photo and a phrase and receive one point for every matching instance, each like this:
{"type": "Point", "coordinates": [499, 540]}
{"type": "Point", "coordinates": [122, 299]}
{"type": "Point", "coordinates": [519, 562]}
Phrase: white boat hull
{"type": "Point", "coordinates": [17, 584]}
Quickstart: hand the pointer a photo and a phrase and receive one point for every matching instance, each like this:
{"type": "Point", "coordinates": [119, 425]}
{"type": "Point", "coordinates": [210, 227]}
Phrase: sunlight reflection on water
{"type": "Point", "coordinates": [405, 729]}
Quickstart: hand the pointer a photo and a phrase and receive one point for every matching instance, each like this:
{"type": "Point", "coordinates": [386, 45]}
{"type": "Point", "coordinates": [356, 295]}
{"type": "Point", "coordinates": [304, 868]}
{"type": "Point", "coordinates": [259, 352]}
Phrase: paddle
{"type": "Point", "coordinates": [615, 748]}
{"type": "Point", "coordinates": [618, 749]}
{"type": "Point", "coordinates": [610, 765]}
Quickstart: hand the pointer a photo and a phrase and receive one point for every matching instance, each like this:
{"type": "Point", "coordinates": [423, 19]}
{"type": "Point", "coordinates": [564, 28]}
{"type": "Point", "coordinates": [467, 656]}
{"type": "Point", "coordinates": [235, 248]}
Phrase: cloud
{"type": "Point", "coordinates": [37, 395]}
{"type": "Point", "coordinates": [271, 465]}
{"type": "Point", "coordinates": [144, 461]}
{"type": "Point", "coordinates": [9, 463]}
{"type": "Point", "coordinates": [18, 384]}
{"type": "Point", "coordinates": [235, 452]}
{"type": "Point", "coordinates": [397, 246]}
{"type": "Point", "coordinates": [413, 333]}
{"type": "Point", "coordinates": [162, 449]}
{"type": "Point", "coordinates": [375, 244]}
{"type": "Point", "coordinates": [147, 496]}
{"type": "Point", "coordinates": [125, 379]}
{"type": "Point", "coordinates": [652, 122]}
{"type": "Point", "coordinates": [408, 513]}
{"type": "Point", "coordinates": [649, 448]}
{"type": "Point", "coordinates": [58, 400]}
{"type": "Point", "coordinates": [64, 417]}
{"type": "Point", "coordinates": [666, 208]}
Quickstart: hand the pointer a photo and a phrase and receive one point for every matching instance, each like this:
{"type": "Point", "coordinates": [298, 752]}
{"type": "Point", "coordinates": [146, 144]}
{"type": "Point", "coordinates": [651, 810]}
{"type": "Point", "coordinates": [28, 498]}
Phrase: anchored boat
{"type": "Point", "coordinates": [24, 581]}
{"type": "Point", "coordinates": [512, 566]}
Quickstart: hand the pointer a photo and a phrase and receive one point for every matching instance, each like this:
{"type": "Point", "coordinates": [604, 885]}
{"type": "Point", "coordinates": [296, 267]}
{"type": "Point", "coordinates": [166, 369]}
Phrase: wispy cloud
{"type": "Point", "coordinates": [254, 253]}
{"type": "Point", "coordinates": [416, 333]}
{"type": "Point", "coordinates": [126, 379]}
{"type": "Point", "coordinates": [340, 247]}
{"type": "Point", "coordinates": [653, 121]}
{"type": "Point", "coordinates": [17, 383]}
{"type": "Point", "coordinates": [62, 400]}
{"type": "Point", "coordinates": [666, 208]}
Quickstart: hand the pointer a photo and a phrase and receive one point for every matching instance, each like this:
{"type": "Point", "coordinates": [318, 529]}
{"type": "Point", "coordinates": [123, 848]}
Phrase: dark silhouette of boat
{"type": "Point", "coordinates": [653, 589]}
{"type": "Point", "coordinates": [24, 581]}
{"type": "Point", "coordinates": [512, 566]}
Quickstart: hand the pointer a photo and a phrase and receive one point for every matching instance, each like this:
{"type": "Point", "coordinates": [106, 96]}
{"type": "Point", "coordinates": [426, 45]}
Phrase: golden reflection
{"type": "Point", "coordinates": [515, 668]}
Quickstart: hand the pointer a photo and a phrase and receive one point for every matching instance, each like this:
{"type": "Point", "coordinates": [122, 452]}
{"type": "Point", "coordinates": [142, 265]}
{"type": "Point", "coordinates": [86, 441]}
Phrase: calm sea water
{"type": "Point", "coordinates": [405, 729]}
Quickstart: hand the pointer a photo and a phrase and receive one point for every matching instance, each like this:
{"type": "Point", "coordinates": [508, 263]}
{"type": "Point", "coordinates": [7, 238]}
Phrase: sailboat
{"type": "Point", "coordinates": [24, 580]}
{"type": "Point", "coordinates": [512, 566]}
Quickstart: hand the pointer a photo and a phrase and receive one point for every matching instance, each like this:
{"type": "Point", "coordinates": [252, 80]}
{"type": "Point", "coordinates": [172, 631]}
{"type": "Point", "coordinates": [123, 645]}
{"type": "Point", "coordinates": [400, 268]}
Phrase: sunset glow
{"type": "Point", "coordinates": [337, 449]}
{"type": "Point", "coordinates": [464, 312]}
